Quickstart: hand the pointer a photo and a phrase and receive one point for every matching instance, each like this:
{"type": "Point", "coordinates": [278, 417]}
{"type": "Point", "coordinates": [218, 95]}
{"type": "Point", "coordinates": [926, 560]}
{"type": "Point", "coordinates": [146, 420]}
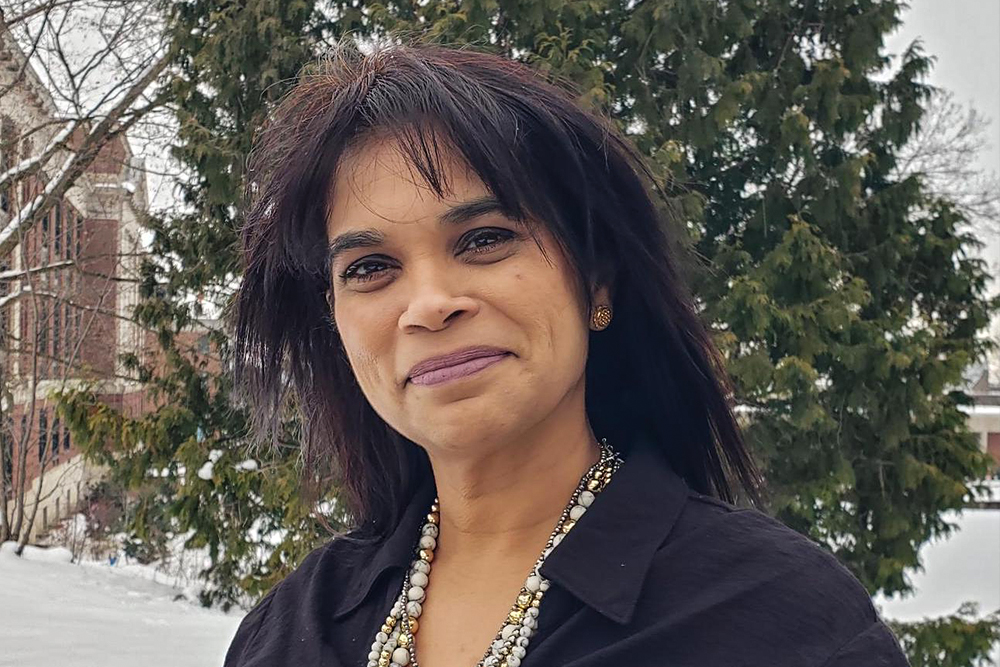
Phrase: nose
{"type": "Point", "coordinates": [434, 304]}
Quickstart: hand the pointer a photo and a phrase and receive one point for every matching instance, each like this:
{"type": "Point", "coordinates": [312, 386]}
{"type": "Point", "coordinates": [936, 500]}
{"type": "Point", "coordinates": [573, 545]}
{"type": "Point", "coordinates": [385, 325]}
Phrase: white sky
{"type": "Point", "coordinates": [964, 36]}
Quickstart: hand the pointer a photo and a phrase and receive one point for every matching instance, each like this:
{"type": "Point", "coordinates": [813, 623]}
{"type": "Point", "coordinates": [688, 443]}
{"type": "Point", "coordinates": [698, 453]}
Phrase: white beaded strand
{"type": "Point", "coordinates": [394, 643]}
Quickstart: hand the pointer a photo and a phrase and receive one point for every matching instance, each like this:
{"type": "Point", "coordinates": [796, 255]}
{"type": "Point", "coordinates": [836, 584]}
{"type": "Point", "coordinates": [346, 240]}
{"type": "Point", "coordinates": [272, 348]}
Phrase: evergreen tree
{"type": "Point", "coordinates": [188, 457]}
{"type": "Point", "coordinates": [844, 294]}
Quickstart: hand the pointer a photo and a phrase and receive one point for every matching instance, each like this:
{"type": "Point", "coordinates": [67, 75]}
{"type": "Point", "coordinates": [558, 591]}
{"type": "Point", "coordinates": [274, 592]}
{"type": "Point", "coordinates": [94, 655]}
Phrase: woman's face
{"type": "Point", "coordinates": [415, 277]}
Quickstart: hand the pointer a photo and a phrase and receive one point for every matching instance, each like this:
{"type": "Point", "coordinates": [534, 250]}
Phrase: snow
{"type": "Point", "coordinates": [38, 554]}
{"type": "Point", "coordinates": [989, 494]}
{"type": "Point", "coordinates": [79, 615]}
{"type": "Point", "coordinates": [205, 472]}
{"type": "Point", "coordinates": [964, 567]}
{"type": "Point", "coordinates": [57, 613]}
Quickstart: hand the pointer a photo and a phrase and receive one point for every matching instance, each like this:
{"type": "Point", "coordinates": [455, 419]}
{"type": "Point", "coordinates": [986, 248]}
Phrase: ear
{"type": "Point", "coordinates": [601, 295]}
{"type": "Point", "coordinates": [601, 288]}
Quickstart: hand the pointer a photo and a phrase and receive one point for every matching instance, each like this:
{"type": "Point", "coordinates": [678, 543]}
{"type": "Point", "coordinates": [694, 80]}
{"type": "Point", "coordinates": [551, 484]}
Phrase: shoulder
{"type": "Point", "coordinates": [764, 580]}
{"type": "Point", "coordinates": [755, 546]}
{"type": "Point", "coordinates": [290, 610]}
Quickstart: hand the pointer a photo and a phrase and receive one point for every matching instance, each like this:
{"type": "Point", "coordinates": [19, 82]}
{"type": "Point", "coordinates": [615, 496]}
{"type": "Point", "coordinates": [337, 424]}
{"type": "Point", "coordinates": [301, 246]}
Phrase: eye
{"type": "Point", "coordinates": [365, 270]}
{"type": "Point", "coordinates": [487, 239]}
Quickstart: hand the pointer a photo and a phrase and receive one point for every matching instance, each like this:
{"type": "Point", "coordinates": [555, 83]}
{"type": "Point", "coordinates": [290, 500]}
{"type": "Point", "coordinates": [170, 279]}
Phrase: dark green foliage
{"type": "Point", "coordinates": [960, 640]}
{"type": "Point", "coordinates": [233, 60]}
{"type": "Point", "coordinates": [844, 296]}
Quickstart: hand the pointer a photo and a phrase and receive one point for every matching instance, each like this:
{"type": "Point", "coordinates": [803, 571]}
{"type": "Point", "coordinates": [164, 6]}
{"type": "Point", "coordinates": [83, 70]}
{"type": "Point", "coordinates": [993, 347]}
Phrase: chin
{"type": "Point", "coordinates": [471, 431]}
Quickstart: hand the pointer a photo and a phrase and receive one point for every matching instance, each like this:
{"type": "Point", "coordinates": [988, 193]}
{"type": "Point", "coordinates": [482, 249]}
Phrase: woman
{"type": "Point", "coordinates": [466, 282]}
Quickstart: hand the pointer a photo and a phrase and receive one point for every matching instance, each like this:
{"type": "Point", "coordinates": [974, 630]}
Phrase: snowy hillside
{"type": "Point", "coordinates": [57, 613]}
{"type": "Point", "coordinates": [91, 615]}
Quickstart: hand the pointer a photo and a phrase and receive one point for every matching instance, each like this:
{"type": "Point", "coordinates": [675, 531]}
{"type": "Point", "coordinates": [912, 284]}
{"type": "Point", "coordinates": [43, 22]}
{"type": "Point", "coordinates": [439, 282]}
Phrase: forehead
{"type": "Point", "coordinates": [376, 183]}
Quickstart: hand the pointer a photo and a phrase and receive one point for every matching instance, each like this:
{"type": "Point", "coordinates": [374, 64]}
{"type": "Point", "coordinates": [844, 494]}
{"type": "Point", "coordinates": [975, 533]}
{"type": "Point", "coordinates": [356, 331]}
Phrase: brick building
{"type": "Point", "coordinates": [66, 291]}
{"type": "Point", "coordinates": [984, 414]}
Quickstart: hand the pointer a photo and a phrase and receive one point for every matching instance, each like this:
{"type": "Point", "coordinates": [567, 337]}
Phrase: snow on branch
{"type": "Point", "coordinates": [115, 123]}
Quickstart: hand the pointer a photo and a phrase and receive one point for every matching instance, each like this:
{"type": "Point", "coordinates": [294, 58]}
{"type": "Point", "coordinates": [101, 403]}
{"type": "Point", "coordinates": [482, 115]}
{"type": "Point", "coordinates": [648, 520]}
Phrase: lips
{"type": "Point", "coordinates": [458, 358]}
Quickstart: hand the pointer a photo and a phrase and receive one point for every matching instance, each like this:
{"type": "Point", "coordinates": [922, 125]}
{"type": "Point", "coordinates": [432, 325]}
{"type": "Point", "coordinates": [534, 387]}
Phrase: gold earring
{"type": "Point", "coordinates": [600, 318]}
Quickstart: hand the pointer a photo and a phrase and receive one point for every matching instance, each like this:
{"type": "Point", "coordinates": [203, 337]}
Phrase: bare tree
{"type": "Point", "coordinates": [75, 77]}
{"type": "Point", "coordinates": [945, 152]}
{"type": "Point", "coordinates": [101, 62]}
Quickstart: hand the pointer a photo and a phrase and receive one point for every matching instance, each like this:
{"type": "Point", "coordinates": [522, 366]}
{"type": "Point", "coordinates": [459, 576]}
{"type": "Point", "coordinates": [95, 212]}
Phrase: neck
{"type": "Point", "coordinates": [505, 499]}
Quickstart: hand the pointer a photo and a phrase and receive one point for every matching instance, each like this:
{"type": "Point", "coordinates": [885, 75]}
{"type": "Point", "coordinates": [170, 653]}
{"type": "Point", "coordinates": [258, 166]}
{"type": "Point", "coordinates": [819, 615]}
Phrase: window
{"type": "Point", "coordinates": [56, 321]}
{"type": "Point", "coordinates": [58, 230]}
{"type": "Point", "coordinates": [7, 443]}
{"type": "Point", "coordinates": [4, 291]}
{"type": "Point", "coordinates": [70, 341]}
{"type": "Point", "coordinates": [70, 217]}
{"type": "Point", "coordinates": [79, 233]}
{"type": "Point", "coordinates": [54, 446]}
{"type": "Point", "coordinates": [8, 146]}
{"type": "Point", "coordinates": [43, 335]}
{"type": "Point", "coordinates": [43, 433]}
{"type": "Point", "coordinates": [993, 449]}
{"type": "Point", "coordinates": [43, 250]}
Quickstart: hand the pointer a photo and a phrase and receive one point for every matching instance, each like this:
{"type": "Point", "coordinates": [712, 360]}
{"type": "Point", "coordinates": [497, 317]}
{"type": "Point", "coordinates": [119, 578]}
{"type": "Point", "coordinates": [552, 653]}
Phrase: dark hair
{"type": "Point", "coordinates": [653, 371]}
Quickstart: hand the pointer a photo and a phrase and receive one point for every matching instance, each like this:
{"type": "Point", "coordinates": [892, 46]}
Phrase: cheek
{"type": "Point", "coordinates": [549, 307]}
{"type": "Point", "coordinates": [367, 339]}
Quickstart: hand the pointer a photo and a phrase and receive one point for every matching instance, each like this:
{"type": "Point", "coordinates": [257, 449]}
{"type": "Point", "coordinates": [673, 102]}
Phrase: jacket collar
{"type": "Point", "coordinates": [371, 560]}
{"type": "Point", "coordinates": [603, 561]}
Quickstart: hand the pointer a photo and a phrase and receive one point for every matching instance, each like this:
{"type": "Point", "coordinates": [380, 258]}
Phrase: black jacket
{"type": "Point", "coordinates": [653, 575]}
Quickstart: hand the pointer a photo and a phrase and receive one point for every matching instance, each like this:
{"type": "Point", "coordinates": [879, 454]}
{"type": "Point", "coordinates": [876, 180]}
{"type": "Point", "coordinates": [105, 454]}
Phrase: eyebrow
{"type": "Point", "coordinates": [456, 215]}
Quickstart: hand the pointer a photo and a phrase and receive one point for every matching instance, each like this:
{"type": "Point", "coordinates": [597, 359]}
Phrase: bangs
{"type": "Point", "coordinates": [529, 160]}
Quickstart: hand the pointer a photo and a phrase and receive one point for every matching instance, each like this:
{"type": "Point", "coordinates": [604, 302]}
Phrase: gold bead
{"type": "Point", "coordinates": [593, 485]}
{"type": "Point", "coordinates": [386, 628]}
{"type": "Point", "coordinates": [516, 616]}
{"type": "Point", "coordinates": [568, 526]}
{"type": "Point", "coordinates": [539, 594]}
{"type": "Point", "coordinates": [383, 660]}
{"type": "Point", "coordinates": [413, 625]}
{"type": "Point", "coordinates": [536, 603]}
{"type": "Point", "coordinates": [435, 508]}
{"type": "Point", "coordinates": [426, 555]}
{"type": "Point", "coordinates": [433, 518]}
{"type": "Point", "coordinates": [390, 621]}
{"type": "Point", "coordinates": [404, 640]}
{"type": "Point", "coordinates": [523, 600]}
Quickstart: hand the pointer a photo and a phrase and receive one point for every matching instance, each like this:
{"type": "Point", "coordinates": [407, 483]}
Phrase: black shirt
{"type": "Point", "coordinates": [654, 574]}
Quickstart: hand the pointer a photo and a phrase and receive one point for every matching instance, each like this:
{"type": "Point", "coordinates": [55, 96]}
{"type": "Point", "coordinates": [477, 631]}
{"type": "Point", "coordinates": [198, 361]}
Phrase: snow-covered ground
{"type": "Point", "coordinates": [54, 613]}
{"type": "Point", "coordinates": [964, 567]}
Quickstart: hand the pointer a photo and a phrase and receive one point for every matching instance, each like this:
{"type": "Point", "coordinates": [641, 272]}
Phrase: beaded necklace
{"type": "Point", "coordinates": [394, 644]}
